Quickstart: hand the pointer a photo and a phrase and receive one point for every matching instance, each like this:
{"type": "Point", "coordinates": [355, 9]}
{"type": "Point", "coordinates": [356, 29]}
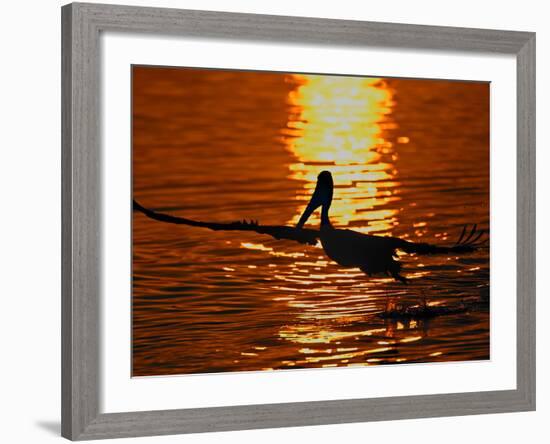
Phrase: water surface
{"type": "Point", "coordinates": [410, 158]}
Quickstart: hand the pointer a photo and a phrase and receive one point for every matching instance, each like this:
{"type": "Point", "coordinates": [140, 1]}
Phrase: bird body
{"type": "Point", "coordinates": [352, 249]}
{"type": "Point", "coordinates": [372, 254]}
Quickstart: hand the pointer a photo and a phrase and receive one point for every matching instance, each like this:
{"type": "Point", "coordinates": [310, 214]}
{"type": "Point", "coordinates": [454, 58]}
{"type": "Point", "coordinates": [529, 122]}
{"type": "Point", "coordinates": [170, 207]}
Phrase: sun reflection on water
{"type": "Point", "coordinates": [338, 123]}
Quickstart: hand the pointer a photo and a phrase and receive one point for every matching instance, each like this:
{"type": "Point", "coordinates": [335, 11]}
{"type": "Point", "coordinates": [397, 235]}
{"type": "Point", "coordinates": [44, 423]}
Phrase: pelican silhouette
{"type": "Point", "coordinates": [371, 254]}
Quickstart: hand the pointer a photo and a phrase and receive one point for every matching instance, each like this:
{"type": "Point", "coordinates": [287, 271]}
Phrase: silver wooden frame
{"type": "Point", "coordinates": [81, 167]}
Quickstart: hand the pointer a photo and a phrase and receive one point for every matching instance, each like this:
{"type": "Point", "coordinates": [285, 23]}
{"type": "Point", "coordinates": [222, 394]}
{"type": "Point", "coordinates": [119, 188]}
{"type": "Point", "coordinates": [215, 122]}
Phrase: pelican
{"type": "Point", "coordinates": [371, 254]}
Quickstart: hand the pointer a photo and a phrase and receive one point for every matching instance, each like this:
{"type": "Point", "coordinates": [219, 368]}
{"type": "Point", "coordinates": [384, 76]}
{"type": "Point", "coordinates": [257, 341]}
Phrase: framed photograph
{"type": "Point", "coordinates": [278, 221]}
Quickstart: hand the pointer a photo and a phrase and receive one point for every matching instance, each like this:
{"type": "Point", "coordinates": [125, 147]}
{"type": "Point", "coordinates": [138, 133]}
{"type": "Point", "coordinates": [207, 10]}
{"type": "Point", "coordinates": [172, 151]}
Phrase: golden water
{"type": "Point", "coordinates": [409, 158]}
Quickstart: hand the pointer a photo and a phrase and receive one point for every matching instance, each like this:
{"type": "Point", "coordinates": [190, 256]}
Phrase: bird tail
{"type": "Point", "coordinates": [469, 240]}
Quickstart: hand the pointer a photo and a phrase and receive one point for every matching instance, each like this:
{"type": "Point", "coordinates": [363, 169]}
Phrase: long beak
{"type": "Point", "coordinates": [314, 203]}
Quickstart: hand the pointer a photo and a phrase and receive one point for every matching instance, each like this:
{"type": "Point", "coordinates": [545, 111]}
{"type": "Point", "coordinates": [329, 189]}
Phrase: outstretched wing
{"type": "Point", "coordinates": [469, 240]}
{"type": "Point", "coordinates": [303, 235]}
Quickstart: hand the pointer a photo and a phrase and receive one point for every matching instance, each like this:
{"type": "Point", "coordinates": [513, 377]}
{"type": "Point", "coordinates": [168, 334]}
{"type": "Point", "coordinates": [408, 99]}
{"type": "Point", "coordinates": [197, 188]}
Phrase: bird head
{"type": "Point", "coordinates": [322, 196]}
